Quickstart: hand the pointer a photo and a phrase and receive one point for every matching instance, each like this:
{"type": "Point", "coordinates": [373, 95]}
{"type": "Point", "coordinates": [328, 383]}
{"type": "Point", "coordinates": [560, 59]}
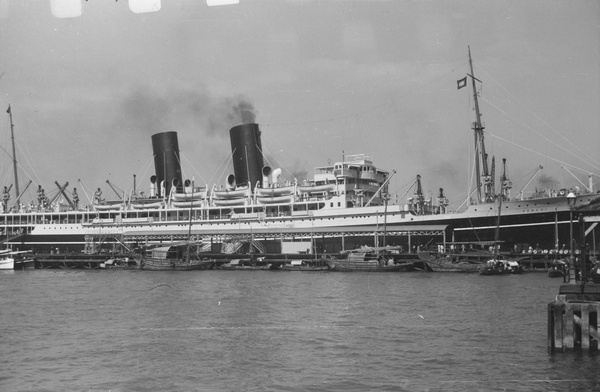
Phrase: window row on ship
{"type": "Point", "coordinates": [172, 215]}
{"type": "Point", "coordinates": [76, 217]}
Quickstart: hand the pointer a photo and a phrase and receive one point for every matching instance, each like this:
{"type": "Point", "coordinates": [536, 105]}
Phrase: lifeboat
{"type": "Point", "coordinates": [108, 207]}
{"type": "Point", "coordinates": [188, 203]}
{"type": "Point", "coordinates": [141, 206]}
{"type": "Point", "coordinates": [230, 194]}
{"type": "Point", "coordinates": [278, 191]}
{"type": "Point", "coordinates": [316, 188]}
{"type": "Point", "coordinates": [240, 201]}
{"type": "Point", "coordinates": [190, 196]}
{"type": "Point", "coordinates": [197, 194]}
{"type": "Point", "coordinates": [275, 199]}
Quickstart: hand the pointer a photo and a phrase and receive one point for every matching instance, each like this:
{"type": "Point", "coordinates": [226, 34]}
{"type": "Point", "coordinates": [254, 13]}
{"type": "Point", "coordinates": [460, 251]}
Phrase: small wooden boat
{"type": "Point", "coordinates": [558, 269]}
{"type": "Point", "coordinates": [595, 273]}
{"type": "Point", "coordinates": [305, 265]}
{"type": "Point", "coordinates": [448, 263]}
{"type": "Point", "coordinates": [501, 267]}
{"type": "Point", "coordinates": [175, 257]}
{"type": "Point", "coordinates": [496, 265]}
{"type": "Point", "coordinates": [368, 260]}
{"type": "Point", "coordinates": [555, 273]}
{"type": "Point", "coordinates": [8, 261]}
{"type": "Point", "coordinates": [245, 264]}
{"type": "Point", "coordinates": [124, 263]}
{"type": "Point", "coordinates": [342, 265]}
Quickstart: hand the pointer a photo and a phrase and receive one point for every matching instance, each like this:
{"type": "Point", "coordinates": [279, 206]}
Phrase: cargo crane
{"type": "Point", "coordinates": [520, 195]}
{"type": "Point", "coordinates": [113, 187]}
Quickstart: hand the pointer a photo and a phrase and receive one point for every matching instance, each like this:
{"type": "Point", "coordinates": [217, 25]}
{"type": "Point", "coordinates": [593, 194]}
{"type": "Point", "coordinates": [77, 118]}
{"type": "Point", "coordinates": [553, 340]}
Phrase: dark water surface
{"type": "Point", "coordinates": [281, 331]}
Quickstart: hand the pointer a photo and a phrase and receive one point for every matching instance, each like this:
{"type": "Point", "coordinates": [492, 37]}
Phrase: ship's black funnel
{"type": "Point", "coordinates": [231, 184]}
{"type": "Point", "coordinates": [247, 154]}
{"type": "Point", "coordinates": [166, 161]}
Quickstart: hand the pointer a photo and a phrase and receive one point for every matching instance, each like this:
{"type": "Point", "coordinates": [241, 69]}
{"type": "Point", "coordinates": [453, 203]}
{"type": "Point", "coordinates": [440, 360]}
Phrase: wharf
{"type": "Point", "coordinates": [529, 261]}
{"type": "Point", "coordinates": [588, 292]}
{"type": "Point", "coordinates": [97, 261]}
{"type": "Point", "coordinates": [71, 260]}
{"type": "Point", "coordinates": [573, 319]}
{"type": "Point", "coordinates": [291, 261]}
{"type": "Point", "coordinates": [263, 261]}
{"type": "Point", "coordinates": [535, 262]}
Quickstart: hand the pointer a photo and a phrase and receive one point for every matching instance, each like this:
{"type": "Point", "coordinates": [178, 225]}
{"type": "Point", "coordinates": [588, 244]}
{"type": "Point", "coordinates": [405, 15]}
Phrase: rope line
{"type": "Point", "coordinates": [371, 109]}
{"type": "Point", "coordinates": [541, 119]}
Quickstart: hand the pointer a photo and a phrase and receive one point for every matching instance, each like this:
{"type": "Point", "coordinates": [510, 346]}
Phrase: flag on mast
{"type": "Point", "coordinates": [460, 83]}
{"type": "Point", "coordinates": [8, 110]}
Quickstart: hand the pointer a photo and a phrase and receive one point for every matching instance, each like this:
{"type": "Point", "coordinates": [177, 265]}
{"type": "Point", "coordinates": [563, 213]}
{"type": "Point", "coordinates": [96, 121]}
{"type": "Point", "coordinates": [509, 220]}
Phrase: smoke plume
{"type": "Point", "coordinates": [548, 182]}
{"type": "Point", "coordinates": [147, 111]}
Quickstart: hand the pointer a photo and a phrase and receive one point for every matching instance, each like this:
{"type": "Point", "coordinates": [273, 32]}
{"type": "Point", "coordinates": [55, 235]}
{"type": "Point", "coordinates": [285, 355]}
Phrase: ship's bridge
{"type": "Point", "coordinates": [357, 166]}
{"type": "Point", "coordinates": [355, 176]}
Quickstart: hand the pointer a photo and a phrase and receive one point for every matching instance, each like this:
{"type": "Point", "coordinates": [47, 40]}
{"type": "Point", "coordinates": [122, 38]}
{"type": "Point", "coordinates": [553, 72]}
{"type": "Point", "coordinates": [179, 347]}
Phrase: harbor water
{"type": "Point", "coordinates": [129, 330]}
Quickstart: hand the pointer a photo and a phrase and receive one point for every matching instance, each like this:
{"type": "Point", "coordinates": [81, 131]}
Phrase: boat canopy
{"type": "Point", "coordinates": [161, 252]}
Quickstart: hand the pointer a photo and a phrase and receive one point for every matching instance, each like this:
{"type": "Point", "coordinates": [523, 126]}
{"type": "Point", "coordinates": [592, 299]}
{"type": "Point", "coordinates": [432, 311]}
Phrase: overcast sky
{"type": "Point", "coordinates": [323, 79]}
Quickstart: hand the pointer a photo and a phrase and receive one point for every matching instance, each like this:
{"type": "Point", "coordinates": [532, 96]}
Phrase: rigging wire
{"type": "Point", "coordinates": [85, 191]}
{"type": "Point", "coordinates": [220, 169]}
{"type": "Point", "coordinates": [357, 115]}
{"type": "Point", "coordinates": [193, 169]}
{"type": "Point", "coordinates": [537, 133]}
{"type": "Point", "coordinates": [542, 120]}
{"type": "Point", "coordinates": [278, 162]}
{"type": "Point", "coordinates": [30, 165]}
{"type": "Point", "coordinates": [530, 150]}
{"type": "Point", "coordinates": [19, 166]}
{"type": "Point", "coordinates": [146, 168]}
{"type": "Point", "coordinates": [6, 175]}
{"type": "Point", "coordinates": [372, 108]}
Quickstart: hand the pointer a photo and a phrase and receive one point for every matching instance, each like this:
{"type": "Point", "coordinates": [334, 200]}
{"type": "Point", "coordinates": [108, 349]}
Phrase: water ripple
{"type": "Point", "coordinates": [218, 331]}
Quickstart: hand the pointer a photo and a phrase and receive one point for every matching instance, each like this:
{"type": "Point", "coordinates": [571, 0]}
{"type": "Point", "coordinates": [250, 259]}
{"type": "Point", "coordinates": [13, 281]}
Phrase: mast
{"type": "Point", "coordinates": [190, 224]}
{"type": "Point", "coordinates": [191, 211]}
{"type": "Point", "coordinates": [12, 136]}
{"type": "Point", "coordinates": [500, 197]}
{"type": "Point", "coordinates": [420, 197]}
{"type": "Point", "coordinates": [385, 200]}
{"type": "Point", "coordinates": [492, 176]}
{"type": "Point", "coordinates": [555, 234]}
{"type": "Point", "coordinates": [485, 190]}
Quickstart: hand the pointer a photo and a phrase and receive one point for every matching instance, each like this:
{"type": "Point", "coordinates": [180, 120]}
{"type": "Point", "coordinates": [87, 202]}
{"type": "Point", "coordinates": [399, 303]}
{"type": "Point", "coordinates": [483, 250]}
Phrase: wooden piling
{"type": "Point", "coordinates": [573, 325]}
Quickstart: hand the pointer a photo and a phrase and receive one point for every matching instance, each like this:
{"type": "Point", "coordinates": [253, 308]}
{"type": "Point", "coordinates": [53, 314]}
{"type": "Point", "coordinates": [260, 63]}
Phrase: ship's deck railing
{"type": "Point", "coordinates": [358, 158]}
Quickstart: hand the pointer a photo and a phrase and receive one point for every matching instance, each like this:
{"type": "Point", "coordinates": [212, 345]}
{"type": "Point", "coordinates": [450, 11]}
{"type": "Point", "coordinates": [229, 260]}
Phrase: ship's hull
{"type": "Point", "coordinates": [524, 223]}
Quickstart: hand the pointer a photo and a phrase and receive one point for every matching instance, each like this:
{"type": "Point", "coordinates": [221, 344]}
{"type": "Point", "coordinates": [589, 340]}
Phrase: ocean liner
{"type": "Point", "coordinates": [345, 205]}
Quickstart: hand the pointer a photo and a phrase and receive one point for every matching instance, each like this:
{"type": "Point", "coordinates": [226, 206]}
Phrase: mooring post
{"type": "Point", "coordinates": [573, 319]}
{"type": "Point", "coordinates": [571, 199]}
{"type": "Point", "coordinates": [585, 327]}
